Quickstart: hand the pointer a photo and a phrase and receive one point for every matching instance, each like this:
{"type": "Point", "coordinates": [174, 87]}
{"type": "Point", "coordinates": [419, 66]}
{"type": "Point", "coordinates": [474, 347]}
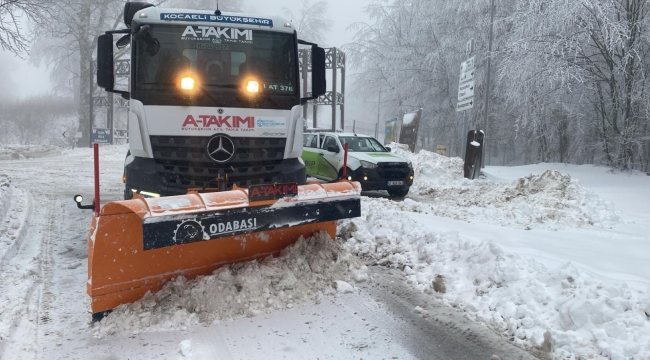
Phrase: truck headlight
{"type": "Point", "coordinates": [253, 86]}
{"type": "Point", "coordinates": [188, 83]}
{"type": "Point", "coordinates": [367, 164]}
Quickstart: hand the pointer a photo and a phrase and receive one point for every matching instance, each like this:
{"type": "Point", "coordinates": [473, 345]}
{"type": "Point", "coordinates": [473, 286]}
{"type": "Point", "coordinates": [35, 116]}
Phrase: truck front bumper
{"type": "Point", "coordinates": [145, 175]}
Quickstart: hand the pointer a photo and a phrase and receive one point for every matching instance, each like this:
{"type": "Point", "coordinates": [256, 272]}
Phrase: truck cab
{"type": "Point", "coordinates": [214, 99]}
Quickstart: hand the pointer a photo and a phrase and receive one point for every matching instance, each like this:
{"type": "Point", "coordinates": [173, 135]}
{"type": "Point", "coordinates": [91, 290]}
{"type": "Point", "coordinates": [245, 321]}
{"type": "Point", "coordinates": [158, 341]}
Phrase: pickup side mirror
{"type": "Point", "coordinates": [389, 149]}
{"type": "Point", "coordinates": [333, 148]}
{"type": "Point", "coordinates": [105, 75]}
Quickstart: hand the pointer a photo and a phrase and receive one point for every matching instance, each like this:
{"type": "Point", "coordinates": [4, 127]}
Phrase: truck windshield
{"type": "Point", "coordinates": [362, 144]}
{"type": "Point", "coordinates": [221, 57]}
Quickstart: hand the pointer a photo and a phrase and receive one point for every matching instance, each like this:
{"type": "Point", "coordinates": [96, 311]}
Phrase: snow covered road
{"type": "Point", "coordinates": [43, 304]}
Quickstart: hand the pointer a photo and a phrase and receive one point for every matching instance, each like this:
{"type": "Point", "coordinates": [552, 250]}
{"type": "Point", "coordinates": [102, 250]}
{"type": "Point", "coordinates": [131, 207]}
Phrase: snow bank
{"type": "Point", "coordinates": [15, 210]}
{"type": "Point", "coordinates": [564, 311]}
{"type": "Point", "coordinates": [18, 152]}
{"type": "Point", "coordinates": [550, 200]}
{"type": "Point", "coordinates": [303, 272]}
{"type": "Point", "coordinates": [106, 152]}
{"type": "Point", "coordinates": [5, 195]}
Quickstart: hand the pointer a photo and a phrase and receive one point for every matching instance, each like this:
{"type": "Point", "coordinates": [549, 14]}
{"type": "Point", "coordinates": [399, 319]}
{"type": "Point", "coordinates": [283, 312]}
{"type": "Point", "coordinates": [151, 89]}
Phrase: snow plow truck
{"type": "Point", "coordinates": [213, 175]}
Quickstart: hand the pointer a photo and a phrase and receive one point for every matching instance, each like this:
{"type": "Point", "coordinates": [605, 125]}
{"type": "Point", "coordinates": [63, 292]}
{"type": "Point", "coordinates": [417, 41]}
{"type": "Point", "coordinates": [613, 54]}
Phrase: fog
{"type": "Point", "coordinates": [22, 79]}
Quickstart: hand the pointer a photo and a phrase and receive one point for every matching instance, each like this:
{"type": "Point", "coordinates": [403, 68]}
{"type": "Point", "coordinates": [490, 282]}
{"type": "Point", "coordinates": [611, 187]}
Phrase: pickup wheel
{"type": "Point", "coordinates": [398, 193]}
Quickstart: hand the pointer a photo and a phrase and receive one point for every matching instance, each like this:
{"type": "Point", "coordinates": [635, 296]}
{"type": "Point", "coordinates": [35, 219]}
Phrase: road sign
{"type": "Point", "coordinates": [120, 134]}
{"type": "Point", "coordinates": [467, 76]}
{"type": "Point", "coordinates": [101, 136]}
{"type": "Point", "coordinates": [466, 91]}
{"type": "Point", "coordinates": [465, 104]}
{"type": "Point", "coordinates": [466, 85]}
{"type": "Point", "coordinates": [467, 65]}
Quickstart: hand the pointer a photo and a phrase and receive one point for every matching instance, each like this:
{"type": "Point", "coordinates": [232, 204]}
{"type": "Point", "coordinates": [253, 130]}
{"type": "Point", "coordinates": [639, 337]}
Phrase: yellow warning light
{"type": "Point", "coordinates": [365, 178]}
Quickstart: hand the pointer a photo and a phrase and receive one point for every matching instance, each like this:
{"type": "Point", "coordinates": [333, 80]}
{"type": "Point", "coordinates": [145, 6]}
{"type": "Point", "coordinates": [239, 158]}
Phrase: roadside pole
{"type": "Point", "coordinates": [487, 89]}
{"type": "Point", "coordinates": [91, 119]}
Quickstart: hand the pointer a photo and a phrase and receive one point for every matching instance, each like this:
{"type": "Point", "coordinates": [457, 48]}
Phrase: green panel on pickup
{"type": "Point", "coordinates": [317, 165]}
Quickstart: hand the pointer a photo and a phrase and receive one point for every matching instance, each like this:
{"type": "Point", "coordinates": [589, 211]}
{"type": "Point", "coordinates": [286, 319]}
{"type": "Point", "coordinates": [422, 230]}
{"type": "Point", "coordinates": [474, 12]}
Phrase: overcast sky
{"type": "Point", "coordinates": [21, 79]}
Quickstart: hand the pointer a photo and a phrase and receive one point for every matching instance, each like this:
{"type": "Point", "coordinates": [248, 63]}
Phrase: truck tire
{"type": "Point", "coordinates": [128, 194]}
{"type": "Point", "coordinates": [398, 193]}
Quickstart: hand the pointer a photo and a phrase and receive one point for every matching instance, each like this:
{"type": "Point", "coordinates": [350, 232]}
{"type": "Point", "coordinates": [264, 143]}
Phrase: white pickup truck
{"type": "Point", "coordinates": [369, 162]}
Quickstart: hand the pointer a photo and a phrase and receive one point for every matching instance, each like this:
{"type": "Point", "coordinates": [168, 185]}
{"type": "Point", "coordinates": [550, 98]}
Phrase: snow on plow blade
{"type": "Point", "coordinates": [137, 245]}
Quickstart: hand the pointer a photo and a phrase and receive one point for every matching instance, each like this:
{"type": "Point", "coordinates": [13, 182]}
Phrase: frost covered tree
{"type": "Point", "coordinates": [594, 54]}
{"type": "Point", "coordinates": [12, 12]}
{"type": "Point", "coordinates": [412, 51]}
{"type": "Point", "coordinates": [311, 21]}
{"type": "Point", "coordinates": [68, 39]}
{"type": "Point", "coordinates": [571, 76]}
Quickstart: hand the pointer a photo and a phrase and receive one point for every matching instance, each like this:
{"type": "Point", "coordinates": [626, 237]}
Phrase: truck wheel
{"type": "Point", "coordinates": [398, 193]}
{"type": "Point", "coordinates": [128, 194]}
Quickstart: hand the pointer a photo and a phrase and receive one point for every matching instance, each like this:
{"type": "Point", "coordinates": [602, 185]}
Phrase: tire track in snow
{"type": "Point", "coordinates": [19, 280]}
{"type": "Point", "coordinates": [46, 299]}
{"type": "Point", "coordinates": [15, 223]}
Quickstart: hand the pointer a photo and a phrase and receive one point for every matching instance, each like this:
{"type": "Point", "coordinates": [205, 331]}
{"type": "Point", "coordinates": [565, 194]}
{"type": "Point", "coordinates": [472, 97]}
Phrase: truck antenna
{"type": "Point", "coordinates": [218, 12]}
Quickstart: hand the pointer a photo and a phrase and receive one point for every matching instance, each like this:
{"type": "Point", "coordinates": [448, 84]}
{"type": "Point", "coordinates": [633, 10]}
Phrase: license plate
{"type": "Point", "coordinates": [393, 183]}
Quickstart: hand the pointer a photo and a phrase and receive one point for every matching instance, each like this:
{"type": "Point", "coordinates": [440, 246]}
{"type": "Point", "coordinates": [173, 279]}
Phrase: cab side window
{"type": "Point", "coordinates": [329, 141]}
{"type": "Point", "coordinates": [310, 140]}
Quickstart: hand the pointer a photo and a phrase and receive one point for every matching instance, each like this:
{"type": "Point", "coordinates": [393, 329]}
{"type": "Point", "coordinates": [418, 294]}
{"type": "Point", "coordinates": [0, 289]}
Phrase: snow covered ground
{"type": "Point", "coordinates": [525, 254]}
{"type": "Point", "coordinates": [555, 261]}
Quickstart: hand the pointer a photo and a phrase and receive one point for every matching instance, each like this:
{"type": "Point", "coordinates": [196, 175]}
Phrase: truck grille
{"type": "Point", "coordinates": [182, 161]}
{"type": "Point", "coordinates": [393, 171]}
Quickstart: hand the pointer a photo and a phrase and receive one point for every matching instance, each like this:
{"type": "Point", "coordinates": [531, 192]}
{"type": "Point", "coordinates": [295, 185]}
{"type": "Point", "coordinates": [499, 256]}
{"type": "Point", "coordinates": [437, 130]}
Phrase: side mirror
{"type": "Point", "coordinates": [123, 41]}
{"type": "Point", "coordinates": [318, 78]}
{"type": "Point", "coordinates": [131, 8]}
{"type": "Point", "coordinates": [333, 148]}
{"type": "Point", "coordinates": [389, 149]}
{"type": "Point", "coordinates": [105, 75]}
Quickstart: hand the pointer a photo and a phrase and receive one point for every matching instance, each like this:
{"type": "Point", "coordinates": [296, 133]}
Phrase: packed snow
{"type": "Point", "coordinates": [528, 251]}
{"type": "Point", "coordinates": [561, 309]}
{"type": "Point", "coordinates": [22, 152]}
{"type": "Point", "coordinates": [304, 272]}
{"type": "Point", "coordinates": [516, 296]}
{"type": "Point", "coordinates": [550, 200]}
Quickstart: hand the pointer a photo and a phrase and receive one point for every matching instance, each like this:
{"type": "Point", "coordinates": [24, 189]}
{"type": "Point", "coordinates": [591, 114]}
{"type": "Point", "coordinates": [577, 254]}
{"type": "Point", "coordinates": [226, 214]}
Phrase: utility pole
{"type": "Point", "coordinates": [487, 89]}
{"type": "Point", "coordinates": [378, 110]}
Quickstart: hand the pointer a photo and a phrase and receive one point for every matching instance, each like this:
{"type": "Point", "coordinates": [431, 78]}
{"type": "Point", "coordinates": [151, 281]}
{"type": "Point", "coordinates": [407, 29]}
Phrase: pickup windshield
{"type": "Point", "coordinates": [362, 144]}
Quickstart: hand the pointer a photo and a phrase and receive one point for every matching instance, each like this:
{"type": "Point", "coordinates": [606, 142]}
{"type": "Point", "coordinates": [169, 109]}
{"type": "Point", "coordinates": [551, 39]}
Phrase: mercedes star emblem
{"type": "Point", "coordinates": [221, 148]}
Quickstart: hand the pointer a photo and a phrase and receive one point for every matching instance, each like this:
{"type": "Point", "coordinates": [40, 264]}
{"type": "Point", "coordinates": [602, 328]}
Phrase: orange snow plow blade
{"type": "Point", "coordinates": [137, 245]}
